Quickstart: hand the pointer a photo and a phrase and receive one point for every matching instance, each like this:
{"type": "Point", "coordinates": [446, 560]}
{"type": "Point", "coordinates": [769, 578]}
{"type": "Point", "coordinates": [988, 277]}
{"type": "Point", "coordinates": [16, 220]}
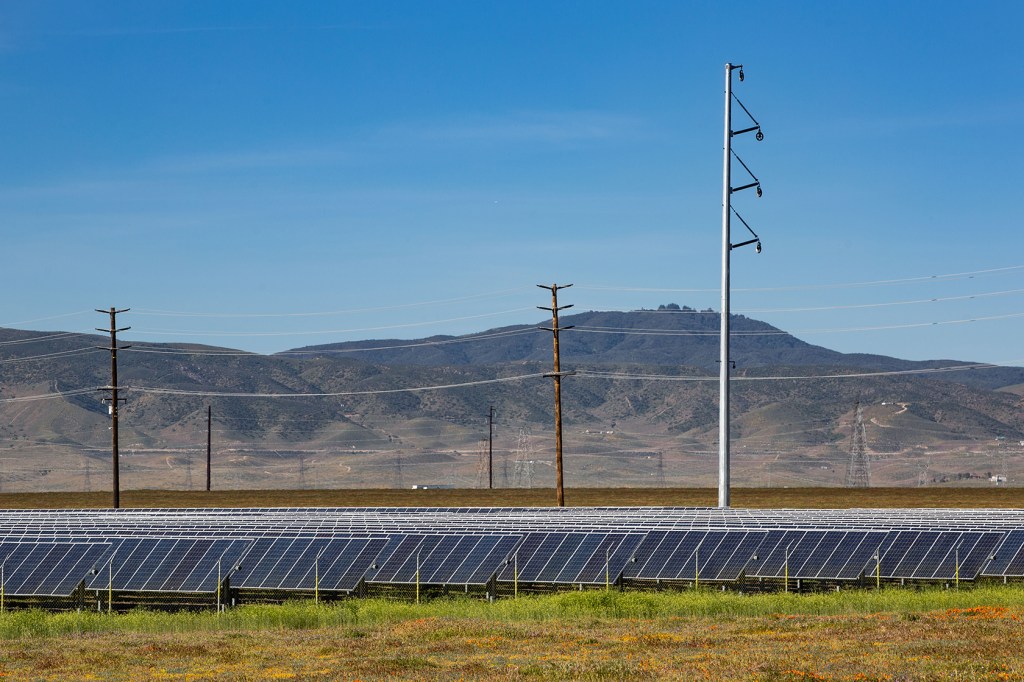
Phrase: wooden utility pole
{"type": "Point", "coordinates": [113, 398]}
{"type": "Point", "coordinates": [557, 376]}
{"type": "Point", "coordinates": [490, 448]}
{"type": "Point", "coordinates": [209, 423]}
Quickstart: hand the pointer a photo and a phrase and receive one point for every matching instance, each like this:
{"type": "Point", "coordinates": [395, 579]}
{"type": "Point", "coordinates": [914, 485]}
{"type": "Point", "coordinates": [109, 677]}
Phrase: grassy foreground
{"type": "Point", "coordinates": [888, 635]}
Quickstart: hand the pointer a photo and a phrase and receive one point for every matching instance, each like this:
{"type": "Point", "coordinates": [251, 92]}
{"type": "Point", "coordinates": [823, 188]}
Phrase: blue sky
{"type": "Point", "coordinates": [267, 175]}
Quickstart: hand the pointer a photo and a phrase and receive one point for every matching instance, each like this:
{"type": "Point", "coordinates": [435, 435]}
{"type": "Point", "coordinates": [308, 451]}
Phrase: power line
{"type": "Point", "coordinates": [668, 377]}
{"type": "Point", "coordinates": [406, 325]}
{"type": "Point", "coordinates": [48, 396]}
{"type": "Point", "coordinates": [43, 319]}
{"type": "Point", "coordinates": [853, 306]}
{"type": "Point", "coordinates": [942, 299]}
{"type": "Point", "coordinates": [36, 339]}
{"type": "Point", "coordinates": [171, 391]}
{"type": "Point", "coordinates": [585, 329]}
{"type": "Point", "coordinates": [593, 374]}
{"type": "Point", "coordinates": [804, 287]}
{"type": "Point", "coordinates": [444, 342]}
{"type": "Point", "coordinates": [46, 356]}
{"type": "Point", "coordinates": [458, 299]}
{"type": "Point", "coordinates": [326, 351]}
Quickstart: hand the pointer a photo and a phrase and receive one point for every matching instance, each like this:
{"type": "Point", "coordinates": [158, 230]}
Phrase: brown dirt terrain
{"type": "Point", "coordinates": [754, 498]}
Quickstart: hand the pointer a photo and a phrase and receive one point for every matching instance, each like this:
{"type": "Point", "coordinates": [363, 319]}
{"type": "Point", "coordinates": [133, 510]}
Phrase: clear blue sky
{"type": "Point", "coordinates": [402, 169]}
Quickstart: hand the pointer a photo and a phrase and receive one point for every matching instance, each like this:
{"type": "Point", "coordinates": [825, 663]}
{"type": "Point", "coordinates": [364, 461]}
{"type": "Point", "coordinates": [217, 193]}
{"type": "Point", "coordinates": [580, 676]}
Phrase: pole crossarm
{"type": "Point", "coordinates": [756, 126]}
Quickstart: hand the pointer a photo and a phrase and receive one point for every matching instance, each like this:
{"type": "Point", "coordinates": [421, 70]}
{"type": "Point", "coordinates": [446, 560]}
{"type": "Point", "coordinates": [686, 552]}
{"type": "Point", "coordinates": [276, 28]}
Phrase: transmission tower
{"type": "Point", "coordinates": [522, 468]}
{"type": "Point", "coordinates": [399, 480]}
{"type": "Point", "coordinates": [482, 469]}
{"type": "Point", "coordinates": [858, 473]}
{"type": "Point", "coordinates": [88, 474]}
{"type": "Point", "coordinates": [188, 471]}
{"type": "Point", "coordinates": [302, 471]}
{"type": "Point", "coordinates": [922, 474]}
{"type": "Point", "coordinates": [661, 469]}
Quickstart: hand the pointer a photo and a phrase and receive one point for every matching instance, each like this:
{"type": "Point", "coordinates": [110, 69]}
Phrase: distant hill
{"type": "Point", "coordinates": [667, 337]}
{"type": "Point", "coordinates": [645, 390]}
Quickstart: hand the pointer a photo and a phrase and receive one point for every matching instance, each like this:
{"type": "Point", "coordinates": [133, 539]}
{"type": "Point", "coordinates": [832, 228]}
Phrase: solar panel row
{"type": "Point", "coordinates": [194, 550]}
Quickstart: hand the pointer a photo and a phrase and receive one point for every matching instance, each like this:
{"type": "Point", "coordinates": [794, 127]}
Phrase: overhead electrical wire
{"type": "Point", "coordinates": [848, 375]}
{"type": "Point", "coordinates": [36, 339]}
{"type": "Point", "coordinates": [806, 287]}
{"type": "Point", "coordinates": [399, 306]}
{"type": "Point", "coordinates": [778, 332]}
{"type": "Point", "coordinates": [942, 299]}
{"type": "Point", "coordinates": [413, 389]}
{"type": "Point", "coordinates": [444, 342]}
{"type": "Point", "coordinates": [584, 373]}
{"type": "Point", "coordinates": [74, 351]}
{"type": "Point", "coordinates": [48, 317]}
{"type": "Point", "coordinates": [48, 396]}
{"type": "Point", "coordinates": [332, 331]}
{"type": "Point", "coordinates": [325, 351]}
{"type": "Point", "coordinates": [853, 306]}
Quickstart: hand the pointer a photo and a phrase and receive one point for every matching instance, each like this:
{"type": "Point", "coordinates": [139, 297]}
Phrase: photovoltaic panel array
{"type": "Point", "coordinates": [48, 568]}
{"type": "Point", "coordinates": [442, 559]}
{"type": "Point", "coordinates": [815, 554]}
{"type": "Point", "coordinates": [1009, 556]}
{"type": "Point", "coordinates": [937, 555]}
{"type": "Point", "coordinates": [570, 558]}
{"type": "Point", "coordinates": [304, 563]}
{"type": "Point", "coordinates": [712, 555]}
{"type": "Point", "coordinates": [143, 564]}
{"type": "Point", "coordinates": [340, 549]}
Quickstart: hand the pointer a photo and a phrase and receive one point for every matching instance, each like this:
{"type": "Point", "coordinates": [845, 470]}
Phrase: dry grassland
{"type": "Point", "coordinates": [755, 498]}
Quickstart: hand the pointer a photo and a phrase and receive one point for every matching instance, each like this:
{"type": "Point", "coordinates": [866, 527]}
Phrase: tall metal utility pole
{"type": "Point", "coordinates": [727, 247]}
{"type": "Point", "coordinates": [209, 440]}
{"type": "Point", "coordinates": [557, 376]}
{"type": "Point", "coordinates": [113, 398]}
{"type": "Point", "coordinates": [490, 448]}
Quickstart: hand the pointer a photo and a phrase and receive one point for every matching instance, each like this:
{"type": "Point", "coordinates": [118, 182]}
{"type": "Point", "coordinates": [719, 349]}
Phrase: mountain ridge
{"type": "Point", "coordinates": [645, 391]}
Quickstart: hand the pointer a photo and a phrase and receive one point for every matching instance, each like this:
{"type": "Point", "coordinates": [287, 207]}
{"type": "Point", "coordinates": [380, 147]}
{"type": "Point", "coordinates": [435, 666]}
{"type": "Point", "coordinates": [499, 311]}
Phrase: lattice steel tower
{"type": "Point", "coordinates": [858, 473]}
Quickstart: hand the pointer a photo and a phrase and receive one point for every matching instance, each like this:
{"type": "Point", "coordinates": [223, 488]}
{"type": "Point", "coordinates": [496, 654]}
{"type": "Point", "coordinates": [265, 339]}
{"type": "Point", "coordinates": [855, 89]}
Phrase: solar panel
{"type": "Point", "coordinates": [141, 564]}
{"type": "Point", "coordinates": [443, 559]}
{"type": "Point", "coordinates": [330, 564]}
{"type": "Point", "coordinates": [694, 555]}
{"type": "Point", "coordinates": [48, 568]}
{"type": "Point", "coordinates": [1009, 556]}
